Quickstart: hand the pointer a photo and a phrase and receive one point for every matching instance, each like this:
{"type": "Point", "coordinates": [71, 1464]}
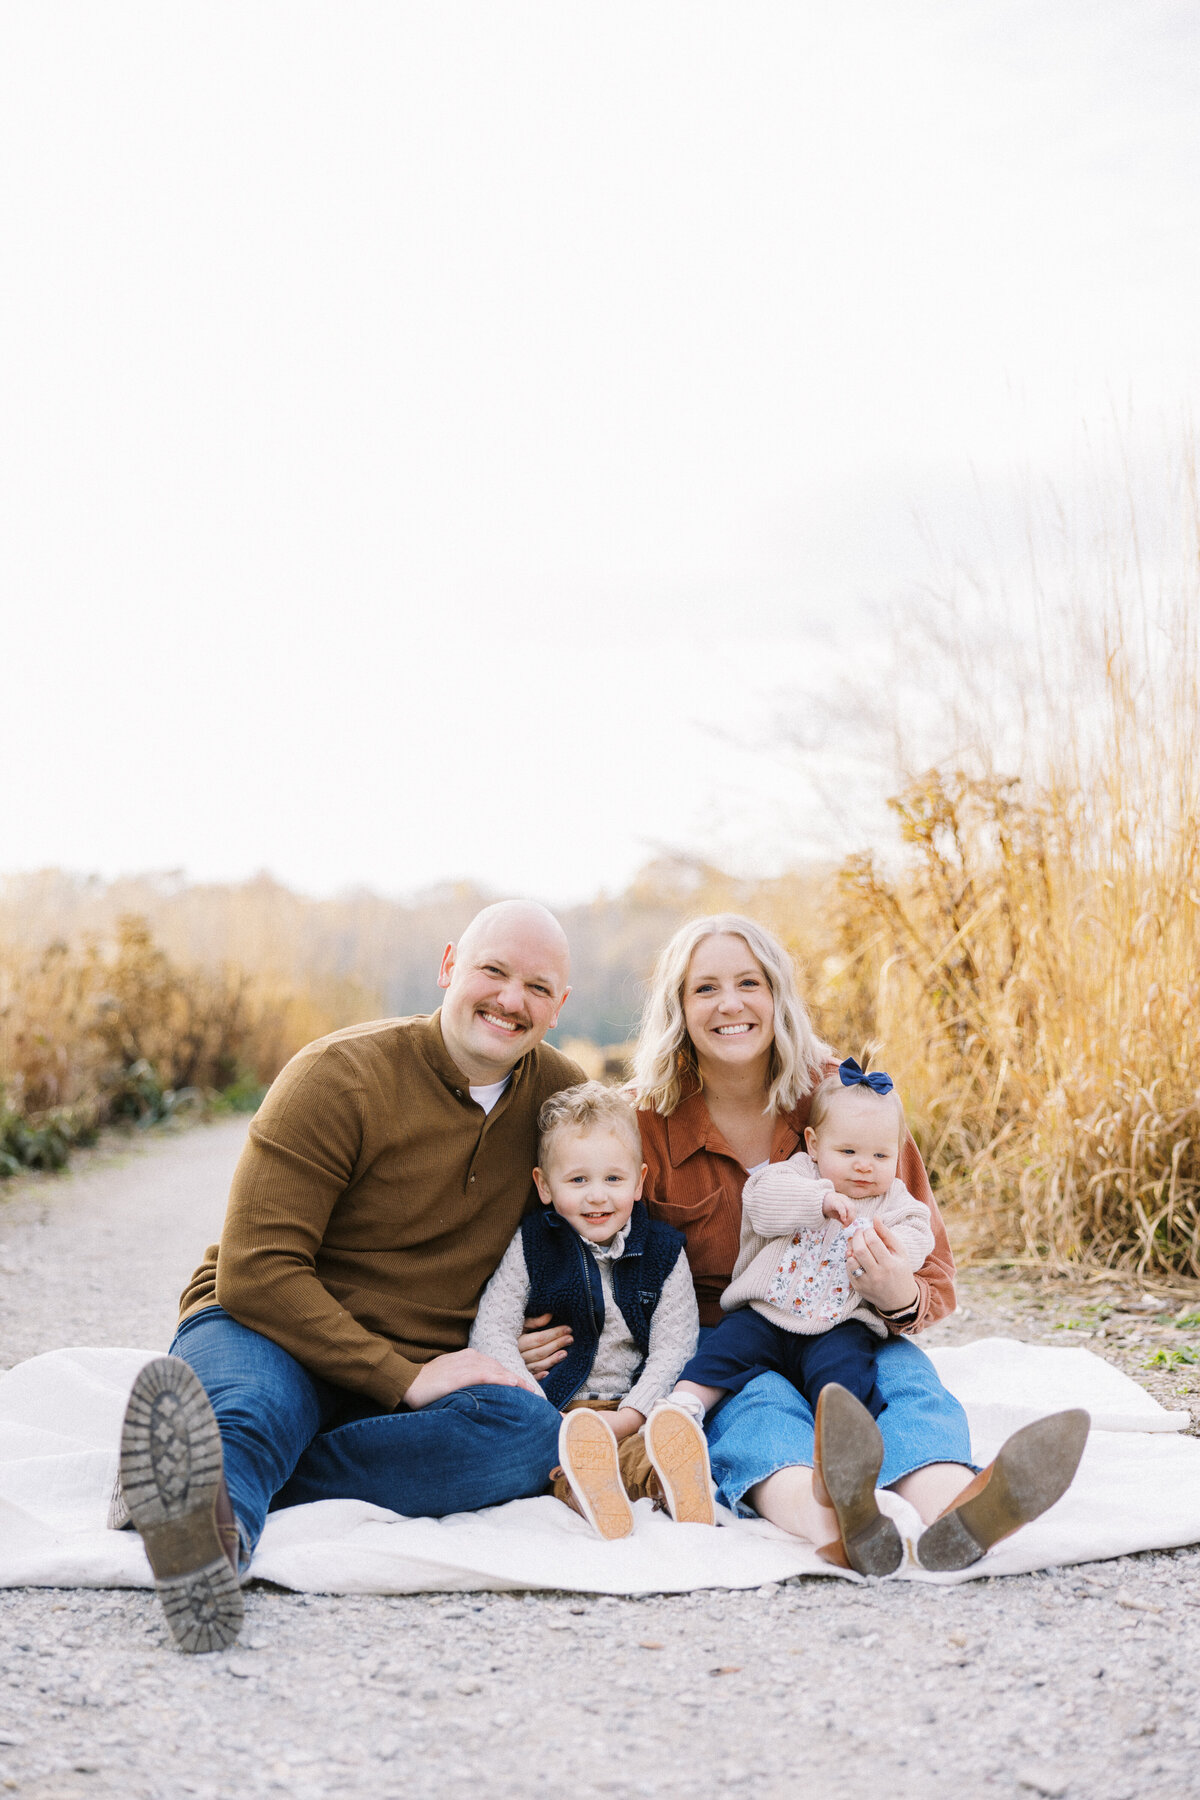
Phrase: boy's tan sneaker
{"type": "Point", "coordinates": [678, 1452]}
{"type": "Point", "coordinates": [590, 1459]}
{"type": "Point", "coordinates": [174, 1489]}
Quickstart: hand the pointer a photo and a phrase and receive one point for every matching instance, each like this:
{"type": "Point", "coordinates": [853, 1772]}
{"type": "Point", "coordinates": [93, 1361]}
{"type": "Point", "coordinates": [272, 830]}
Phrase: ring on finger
{"type": "Point", "coordinates": [856, 1271]}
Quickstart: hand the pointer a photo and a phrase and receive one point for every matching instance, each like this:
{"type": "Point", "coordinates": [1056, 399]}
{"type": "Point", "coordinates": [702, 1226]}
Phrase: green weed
{"type": "Point", "coordinates": [1172, 1359]}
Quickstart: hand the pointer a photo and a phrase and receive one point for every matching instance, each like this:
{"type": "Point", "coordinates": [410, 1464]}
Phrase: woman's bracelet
{"type": "Point", "coordinates": [906, 1314]}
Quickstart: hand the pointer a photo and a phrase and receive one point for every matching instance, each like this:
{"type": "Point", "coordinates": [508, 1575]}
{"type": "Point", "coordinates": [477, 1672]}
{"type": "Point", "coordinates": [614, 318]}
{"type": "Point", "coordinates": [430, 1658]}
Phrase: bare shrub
{"type": "Point", "coordinates": [112, 1029]}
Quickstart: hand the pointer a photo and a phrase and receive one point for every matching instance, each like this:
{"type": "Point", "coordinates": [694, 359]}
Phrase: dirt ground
{"type": "Point", "coordinates": [1080, 1682]}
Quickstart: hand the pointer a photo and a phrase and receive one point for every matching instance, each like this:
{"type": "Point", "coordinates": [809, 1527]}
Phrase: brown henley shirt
{"type": "Point", "coordinates": [373, 1202]}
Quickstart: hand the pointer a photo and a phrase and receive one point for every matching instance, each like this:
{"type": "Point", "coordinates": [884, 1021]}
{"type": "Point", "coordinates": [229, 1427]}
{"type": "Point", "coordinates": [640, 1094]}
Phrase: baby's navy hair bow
{"type": "Point", "coordinates": [853, 1076]}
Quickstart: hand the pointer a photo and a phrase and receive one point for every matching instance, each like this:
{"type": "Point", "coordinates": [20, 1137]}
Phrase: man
{"type": "Point", "coordinates": [321, 1346]}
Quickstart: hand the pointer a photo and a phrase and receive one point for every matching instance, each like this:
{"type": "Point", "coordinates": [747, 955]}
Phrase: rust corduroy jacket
{"type": "Point", "coordinates": [694, 1181]}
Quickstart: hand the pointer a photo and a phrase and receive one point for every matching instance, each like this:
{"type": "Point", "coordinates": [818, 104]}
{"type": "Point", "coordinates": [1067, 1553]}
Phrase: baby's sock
{"type": "Point", "coordinates": [688, 1403]}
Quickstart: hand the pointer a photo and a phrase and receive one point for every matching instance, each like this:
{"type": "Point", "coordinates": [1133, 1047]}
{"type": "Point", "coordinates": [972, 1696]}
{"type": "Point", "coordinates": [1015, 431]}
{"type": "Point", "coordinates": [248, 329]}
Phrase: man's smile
{"type": "Point", "coordinates": [501, 1024]}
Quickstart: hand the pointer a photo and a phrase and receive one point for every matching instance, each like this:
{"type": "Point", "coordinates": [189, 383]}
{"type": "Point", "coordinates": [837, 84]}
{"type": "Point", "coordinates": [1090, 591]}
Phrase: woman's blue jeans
{"type": "Point", "coordinates": [769, 1425]}
{"type": "Point", "coordinates": [287, 1436]}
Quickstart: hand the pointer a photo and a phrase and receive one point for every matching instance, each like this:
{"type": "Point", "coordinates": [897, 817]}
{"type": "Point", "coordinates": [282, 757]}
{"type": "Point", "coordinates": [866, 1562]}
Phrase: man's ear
{"type": "Point", "coordinates": [447, 968]}
{"type": "Point", "coordinates": [543, 1187]}
{"type": "Point", "coordinates": [558, 1009]}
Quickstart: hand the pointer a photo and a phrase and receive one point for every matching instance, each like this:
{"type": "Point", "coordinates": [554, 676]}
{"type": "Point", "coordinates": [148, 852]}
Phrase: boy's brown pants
{"type": "Point", "coordinates": [636, 1471]}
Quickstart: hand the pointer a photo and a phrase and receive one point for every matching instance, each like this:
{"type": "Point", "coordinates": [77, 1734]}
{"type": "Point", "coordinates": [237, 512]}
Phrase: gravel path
{"type": "Point", "coordinates": [1084, 1683]}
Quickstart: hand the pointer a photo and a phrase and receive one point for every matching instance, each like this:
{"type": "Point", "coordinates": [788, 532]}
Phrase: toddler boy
{"type": "Point", "coordinates": [595, 1260]}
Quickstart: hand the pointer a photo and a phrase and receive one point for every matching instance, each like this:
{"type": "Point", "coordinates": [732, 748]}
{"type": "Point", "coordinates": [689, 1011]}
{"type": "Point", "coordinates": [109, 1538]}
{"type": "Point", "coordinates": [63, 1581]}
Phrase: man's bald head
{"type": "Point", "coordinates": [527, 919]}
{"type": "Point", "coordinates": [505, 981]}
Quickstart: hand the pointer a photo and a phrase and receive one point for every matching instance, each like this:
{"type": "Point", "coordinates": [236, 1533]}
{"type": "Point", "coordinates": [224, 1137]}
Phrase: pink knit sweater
{"type": "Point", "coordinates": [791, 1264]}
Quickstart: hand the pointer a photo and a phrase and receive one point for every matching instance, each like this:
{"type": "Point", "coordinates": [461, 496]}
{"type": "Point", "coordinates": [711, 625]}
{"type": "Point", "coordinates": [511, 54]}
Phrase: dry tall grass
{"type": "Point", "coordinates": [1030, 970]}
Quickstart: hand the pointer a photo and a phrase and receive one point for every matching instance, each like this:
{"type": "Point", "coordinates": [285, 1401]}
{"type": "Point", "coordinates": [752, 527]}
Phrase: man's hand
{"type": "Point", "coordinates": [541, 1349]}
{"type": "Point", "coordinates": [460, 1369]}
{"type": "Point", "coordinates": [878, 1270]}
{"type": "Point", "coordinates": [836, 1206]}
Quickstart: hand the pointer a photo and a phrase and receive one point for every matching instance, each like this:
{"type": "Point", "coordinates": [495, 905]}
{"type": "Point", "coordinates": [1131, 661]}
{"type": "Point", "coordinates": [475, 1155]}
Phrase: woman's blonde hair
{"type": "Point", "coordinates": [665, 1058]}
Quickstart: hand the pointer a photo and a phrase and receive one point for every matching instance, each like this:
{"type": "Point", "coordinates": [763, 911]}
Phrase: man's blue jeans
{"type": "Point", "coordinates": [288, 1436]}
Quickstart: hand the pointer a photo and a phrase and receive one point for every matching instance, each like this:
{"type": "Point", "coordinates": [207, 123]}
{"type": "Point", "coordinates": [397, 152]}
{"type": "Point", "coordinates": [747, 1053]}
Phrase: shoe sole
{"type": "Point", "coordinates": [170, 1476]}
{"type": "Point", "coordinates": [590, 1460]}
{"type": "Point", "coordinates": [678, 1452]}
{"type": "Point", "coordinates": [851, 1456]}
{"type": "Point", "coordinates": [1035, 1468]}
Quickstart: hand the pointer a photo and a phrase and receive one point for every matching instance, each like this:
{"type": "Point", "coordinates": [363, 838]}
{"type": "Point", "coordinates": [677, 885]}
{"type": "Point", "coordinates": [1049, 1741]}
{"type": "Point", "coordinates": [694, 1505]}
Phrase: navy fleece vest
{"type": "Point", "coordinates": [565, 1282]}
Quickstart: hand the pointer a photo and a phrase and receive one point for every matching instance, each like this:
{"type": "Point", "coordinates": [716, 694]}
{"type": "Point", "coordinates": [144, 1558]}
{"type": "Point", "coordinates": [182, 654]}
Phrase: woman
{"type": "Point", "coordinates": [725, 1065]}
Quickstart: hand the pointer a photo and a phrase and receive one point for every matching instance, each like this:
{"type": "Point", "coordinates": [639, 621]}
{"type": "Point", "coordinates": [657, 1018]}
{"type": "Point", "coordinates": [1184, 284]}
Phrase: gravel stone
{"type": "Point", "coordinates": [1080, 1683]}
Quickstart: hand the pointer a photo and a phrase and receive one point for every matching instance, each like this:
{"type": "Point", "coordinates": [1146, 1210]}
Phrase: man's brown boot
{"type": "Point", "coordinates": [173, 1486]}
{"type": "Point", "coordinates": [1034, 1468]}
{"type": "Point", "coordinates": [847, 1458]}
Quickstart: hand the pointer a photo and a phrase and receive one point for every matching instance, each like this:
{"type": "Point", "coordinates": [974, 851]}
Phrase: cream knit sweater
{"type": "Point", "coordinates": [791, 1264]}
{"type": "Point", "coordinates": [673, 1329]}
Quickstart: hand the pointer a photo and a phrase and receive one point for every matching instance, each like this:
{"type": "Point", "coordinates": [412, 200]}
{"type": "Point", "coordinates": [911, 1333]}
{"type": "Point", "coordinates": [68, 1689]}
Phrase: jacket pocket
{"type": "Point", "coordinates": [701, 1223]}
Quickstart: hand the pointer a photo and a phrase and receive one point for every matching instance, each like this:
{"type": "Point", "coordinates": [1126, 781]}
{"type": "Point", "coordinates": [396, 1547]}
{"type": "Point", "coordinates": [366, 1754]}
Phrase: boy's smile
{"type": "Point", "coordinates": [592, 1179]}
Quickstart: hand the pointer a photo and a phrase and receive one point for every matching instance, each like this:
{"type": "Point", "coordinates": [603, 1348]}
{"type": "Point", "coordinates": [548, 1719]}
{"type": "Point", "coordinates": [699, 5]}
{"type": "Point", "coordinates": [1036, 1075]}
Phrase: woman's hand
{"type": "Point", "coordinates": [541, 1349]}
{"type": "Point", "coordinates": [878, 1271]}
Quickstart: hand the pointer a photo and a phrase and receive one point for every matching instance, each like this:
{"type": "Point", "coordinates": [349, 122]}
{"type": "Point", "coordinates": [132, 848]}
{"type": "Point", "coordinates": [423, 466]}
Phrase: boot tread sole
{"type": "Point", "coordinates": [170, 1476]}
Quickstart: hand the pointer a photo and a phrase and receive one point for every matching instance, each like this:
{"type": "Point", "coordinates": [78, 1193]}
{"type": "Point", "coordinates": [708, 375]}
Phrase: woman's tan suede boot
{"type": "Point", "coordinates": [847, 1458]}
{"type": "Point", "coordinates": [1034, 1468]}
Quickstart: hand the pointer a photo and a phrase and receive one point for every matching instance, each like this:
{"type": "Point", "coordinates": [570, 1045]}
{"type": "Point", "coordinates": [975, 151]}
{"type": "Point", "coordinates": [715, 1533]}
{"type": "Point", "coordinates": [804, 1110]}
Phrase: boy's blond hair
{"type": "Point", "coordinates": [826, 1092]}
{"type": "Point", "coordinates": [584, 1108]}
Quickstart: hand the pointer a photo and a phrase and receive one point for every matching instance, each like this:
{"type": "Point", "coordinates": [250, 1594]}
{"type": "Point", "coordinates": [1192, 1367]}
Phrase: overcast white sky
{"type": "Point", "coordinates": [432, 436]}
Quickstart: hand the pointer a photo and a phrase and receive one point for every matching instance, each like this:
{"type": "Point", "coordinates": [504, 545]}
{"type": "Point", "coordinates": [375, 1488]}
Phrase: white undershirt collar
{"type": "Point", "coordinates": [488, 1094]}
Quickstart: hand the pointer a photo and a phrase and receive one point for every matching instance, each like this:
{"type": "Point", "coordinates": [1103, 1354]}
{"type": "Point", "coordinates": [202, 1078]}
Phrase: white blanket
{"type": "Point", "coordinates": [60, 1415]}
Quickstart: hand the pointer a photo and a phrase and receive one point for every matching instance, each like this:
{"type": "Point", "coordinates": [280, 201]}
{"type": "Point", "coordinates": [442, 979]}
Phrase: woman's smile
{"type": "Point", "coordinates": [727, 1003]}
